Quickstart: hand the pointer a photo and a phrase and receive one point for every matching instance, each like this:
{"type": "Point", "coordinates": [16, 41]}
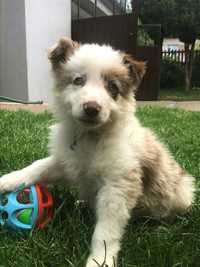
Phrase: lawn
{"type": "Point", "coordinates": [65, 241]}
{"type": "Point", "coordinates": [179, 94]}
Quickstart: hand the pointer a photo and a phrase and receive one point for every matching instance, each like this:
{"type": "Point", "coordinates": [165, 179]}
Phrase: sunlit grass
{"type": "Point", "coordinates": [65, 241]}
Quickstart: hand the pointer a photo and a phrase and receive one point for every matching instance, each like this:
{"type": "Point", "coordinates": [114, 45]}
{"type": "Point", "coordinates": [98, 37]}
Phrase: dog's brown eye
{"type": "Point", "coordinates": [79, 81]}
{"type": "Point", "coordinates": [113, 89]}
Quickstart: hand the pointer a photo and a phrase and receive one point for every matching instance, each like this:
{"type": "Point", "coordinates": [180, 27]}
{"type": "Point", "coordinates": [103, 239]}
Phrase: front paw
{"type": "Point", "coordinates": [93, 263]}
{"type": "Point", "coordinates": [11, 181]}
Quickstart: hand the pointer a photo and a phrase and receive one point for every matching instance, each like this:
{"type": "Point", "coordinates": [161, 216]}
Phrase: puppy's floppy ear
{"type": "Point", "coordinates": [136, 68]}
{"type": "Point", "coordinates": [61, 51]}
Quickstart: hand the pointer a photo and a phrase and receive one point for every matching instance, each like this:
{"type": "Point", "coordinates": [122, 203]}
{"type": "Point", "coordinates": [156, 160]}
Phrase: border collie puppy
{"type": "Point", "coordinates": [99, 145]}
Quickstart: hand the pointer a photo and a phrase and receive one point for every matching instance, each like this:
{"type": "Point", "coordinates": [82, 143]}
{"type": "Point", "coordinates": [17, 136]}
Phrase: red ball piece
{"type": "Point", "coordinates": [45, 206]}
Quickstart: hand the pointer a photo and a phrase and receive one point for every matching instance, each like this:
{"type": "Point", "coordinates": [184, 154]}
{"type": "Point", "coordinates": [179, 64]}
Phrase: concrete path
{"type": "Point", "coordinates": [187, 105]}
{"type": "Point", "coordinates": [15, 106]}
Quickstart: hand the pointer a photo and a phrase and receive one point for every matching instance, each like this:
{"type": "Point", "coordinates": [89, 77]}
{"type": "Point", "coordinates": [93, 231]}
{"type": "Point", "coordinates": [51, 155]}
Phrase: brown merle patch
{"type": "Point", "coordinates": [117, 82]}
{"type": "Point", "coordinates": [136, 68]}
{"type": "Point", "coordinates": [61, 51]}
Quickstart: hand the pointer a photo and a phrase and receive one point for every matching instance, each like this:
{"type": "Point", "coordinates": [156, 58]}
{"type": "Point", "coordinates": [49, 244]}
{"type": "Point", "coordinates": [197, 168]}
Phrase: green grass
{"type": "Point", "coordinates": [179, 94]}
{"type": "Point", "coordinates": [65, 241]}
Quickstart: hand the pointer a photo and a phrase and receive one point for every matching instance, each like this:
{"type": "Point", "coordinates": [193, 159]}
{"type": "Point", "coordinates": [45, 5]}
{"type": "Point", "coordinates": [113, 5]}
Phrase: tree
{"type": "Point", "coordinates": [158, 12]}
{"type": "Point", "coordinates": [188, 31]}
{"type": "Point", "coordinates": [178, 18]}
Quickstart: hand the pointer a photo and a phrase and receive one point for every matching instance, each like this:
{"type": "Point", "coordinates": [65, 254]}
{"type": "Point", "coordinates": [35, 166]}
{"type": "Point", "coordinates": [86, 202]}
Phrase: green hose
{"type": "Point", "coordinates": [9, 99]}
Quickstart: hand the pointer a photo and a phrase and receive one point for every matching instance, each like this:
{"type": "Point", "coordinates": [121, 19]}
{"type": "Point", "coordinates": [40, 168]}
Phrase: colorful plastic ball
{"type": "Point", "coordinates": [26, 208]}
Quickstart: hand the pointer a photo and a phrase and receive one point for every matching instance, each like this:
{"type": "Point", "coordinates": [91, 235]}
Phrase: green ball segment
{"type": "Point", "coordinates": [25, 216]}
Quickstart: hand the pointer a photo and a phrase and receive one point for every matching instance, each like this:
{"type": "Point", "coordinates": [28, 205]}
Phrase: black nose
{"type": "Point", "coordinates": [91, 108]}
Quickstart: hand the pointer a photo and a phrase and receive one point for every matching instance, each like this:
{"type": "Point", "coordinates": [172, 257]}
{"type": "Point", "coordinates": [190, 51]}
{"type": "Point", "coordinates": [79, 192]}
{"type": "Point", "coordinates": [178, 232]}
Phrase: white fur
{"type": "Point", "coordinates": [106, 163]}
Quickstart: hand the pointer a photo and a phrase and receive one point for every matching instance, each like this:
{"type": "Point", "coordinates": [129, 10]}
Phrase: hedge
{"type": "Point", "coordinates": [173, 75]}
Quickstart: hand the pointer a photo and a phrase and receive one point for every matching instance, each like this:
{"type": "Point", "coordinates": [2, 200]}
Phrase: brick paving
{"type": "Point", "coordinates": [15, 106]}
{"type": "Point", "coordinates": [187, 105]}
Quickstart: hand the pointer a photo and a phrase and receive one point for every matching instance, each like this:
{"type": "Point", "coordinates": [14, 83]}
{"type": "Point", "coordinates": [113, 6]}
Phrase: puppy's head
{"type": "Point", "coordinates": [94, 83]}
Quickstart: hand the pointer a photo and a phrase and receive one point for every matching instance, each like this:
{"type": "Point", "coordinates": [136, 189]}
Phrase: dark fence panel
{"type": "Point", "coordinates": [118, 31]}
{"type": "Point", "coordinates": [149, 88]}
{"type": "Point", "coordinates": [149, 50]}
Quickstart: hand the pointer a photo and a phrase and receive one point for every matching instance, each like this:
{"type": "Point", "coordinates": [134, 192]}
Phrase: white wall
{"type": "Point", "coordinates": [172, 44]}
{"type": "Point", "coordinates": [13, 74]}
{"type": "Point", "coordinates": [46, 21]}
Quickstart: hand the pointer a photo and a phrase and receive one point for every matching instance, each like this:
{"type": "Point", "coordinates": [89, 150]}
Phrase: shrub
{"type": "Point", "coordinates": [196, 73]}
{"type": "Point", "coordinates": [172, 74]}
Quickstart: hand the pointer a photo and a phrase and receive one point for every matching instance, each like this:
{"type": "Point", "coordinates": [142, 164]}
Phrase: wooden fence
{"type": "Point", "coordinates": [177, 55]}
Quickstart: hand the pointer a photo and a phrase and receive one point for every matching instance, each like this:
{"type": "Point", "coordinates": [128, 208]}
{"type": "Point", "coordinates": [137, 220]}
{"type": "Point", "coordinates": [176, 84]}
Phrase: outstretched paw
{"type": "Point", "coordinates": [10, 182]}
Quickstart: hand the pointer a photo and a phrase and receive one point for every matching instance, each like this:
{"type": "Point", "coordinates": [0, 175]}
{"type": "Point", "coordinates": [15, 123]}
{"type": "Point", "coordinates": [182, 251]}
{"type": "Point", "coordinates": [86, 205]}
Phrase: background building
{"type": "Point", "coordinates": [27, 29]}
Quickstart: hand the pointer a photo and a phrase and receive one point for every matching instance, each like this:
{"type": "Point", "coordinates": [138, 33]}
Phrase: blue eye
{"type": "Point", "coordinates": [80, 81]}
{"type": "Point", "coordinates": [113, 89]}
